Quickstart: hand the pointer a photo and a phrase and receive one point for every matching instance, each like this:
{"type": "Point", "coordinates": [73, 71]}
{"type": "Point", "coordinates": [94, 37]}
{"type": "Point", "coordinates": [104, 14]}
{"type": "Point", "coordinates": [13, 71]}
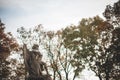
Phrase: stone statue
{"type": "Point", "coordinates": [34, 64]}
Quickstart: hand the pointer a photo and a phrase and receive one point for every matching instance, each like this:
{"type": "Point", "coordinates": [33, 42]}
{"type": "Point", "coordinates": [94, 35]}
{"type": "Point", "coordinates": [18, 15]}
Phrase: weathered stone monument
{"type": "Point", "coordinates": [34, 64]}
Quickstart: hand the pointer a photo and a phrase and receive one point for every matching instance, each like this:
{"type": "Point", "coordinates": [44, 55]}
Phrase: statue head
{"type": "Point", "coordinates": [35, 47]}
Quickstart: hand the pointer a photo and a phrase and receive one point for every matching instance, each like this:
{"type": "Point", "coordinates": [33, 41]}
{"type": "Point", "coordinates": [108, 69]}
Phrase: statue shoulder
{"type": "Point", "coordinates": [36, 52]}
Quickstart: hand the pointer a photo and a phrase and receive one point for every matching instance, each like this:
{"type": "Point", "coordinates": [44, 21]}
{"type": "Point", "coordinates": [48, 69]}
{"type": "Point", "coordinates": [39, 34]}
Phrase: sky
{"type": "Point", "coordinates": [52, 14]}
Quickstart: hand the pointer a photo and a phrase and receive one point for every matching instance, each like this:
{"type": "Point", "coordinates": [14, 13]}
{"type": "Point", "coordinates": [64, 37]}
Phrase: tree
{"type": "Point", "coordinates": [112, 14]}
{"type": "Point", "coordinates": [104, 40]}
{"type": "Point", "coordinates": [59, 55]}
{"type": "Point", "coordinates": [17, 67]}
{"type": "Point", "coordinates": [89, 41]}
{"type": "Point", "coordinates": [112, 69]}
{"type": "Point", "coordinates": [70, 41]}
{"type": "Point", "coordinates": [7, 45]}
{"type": "Point", "coordinates": [103, 63]}
{"type": "Point", "coordinates": [82, 40]}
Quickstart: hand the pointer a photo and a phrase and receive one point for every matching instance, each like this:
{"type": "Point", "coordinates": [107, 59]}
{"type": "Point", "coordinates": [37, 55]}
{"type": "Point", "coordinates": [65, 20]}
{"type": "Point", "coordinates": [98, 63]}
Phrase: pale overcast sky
{"type": "Point", "coordinates": [52, 14]}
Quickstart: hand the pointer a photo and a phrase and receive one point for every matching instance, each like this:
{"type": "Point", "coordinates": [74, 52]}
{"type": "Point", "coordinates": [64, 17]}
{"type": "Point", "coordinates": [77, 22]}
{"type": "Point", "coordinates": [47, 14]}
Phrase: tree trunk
{"type": "Point", "coordinates": [74, 77]}
{"type": "Point", "coordinates": [67, 76]}
{"type": "Point", "coordinates": [54, 75]}
{"type": "Point", "coordinates": [59, 75]}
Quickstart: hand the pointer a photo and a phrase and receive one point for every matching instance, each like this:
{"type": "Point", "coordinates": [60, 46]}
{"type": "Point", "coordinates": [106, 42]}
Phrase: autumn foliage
{"type": "Point", "coordinates": [7, 42]}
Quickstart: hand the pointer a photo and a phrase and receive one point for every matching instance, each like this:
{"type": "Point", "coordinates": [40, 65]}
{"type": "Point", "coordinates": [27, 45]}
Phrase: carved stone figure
{"type": "Point", "coordinates": [34, 64]}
